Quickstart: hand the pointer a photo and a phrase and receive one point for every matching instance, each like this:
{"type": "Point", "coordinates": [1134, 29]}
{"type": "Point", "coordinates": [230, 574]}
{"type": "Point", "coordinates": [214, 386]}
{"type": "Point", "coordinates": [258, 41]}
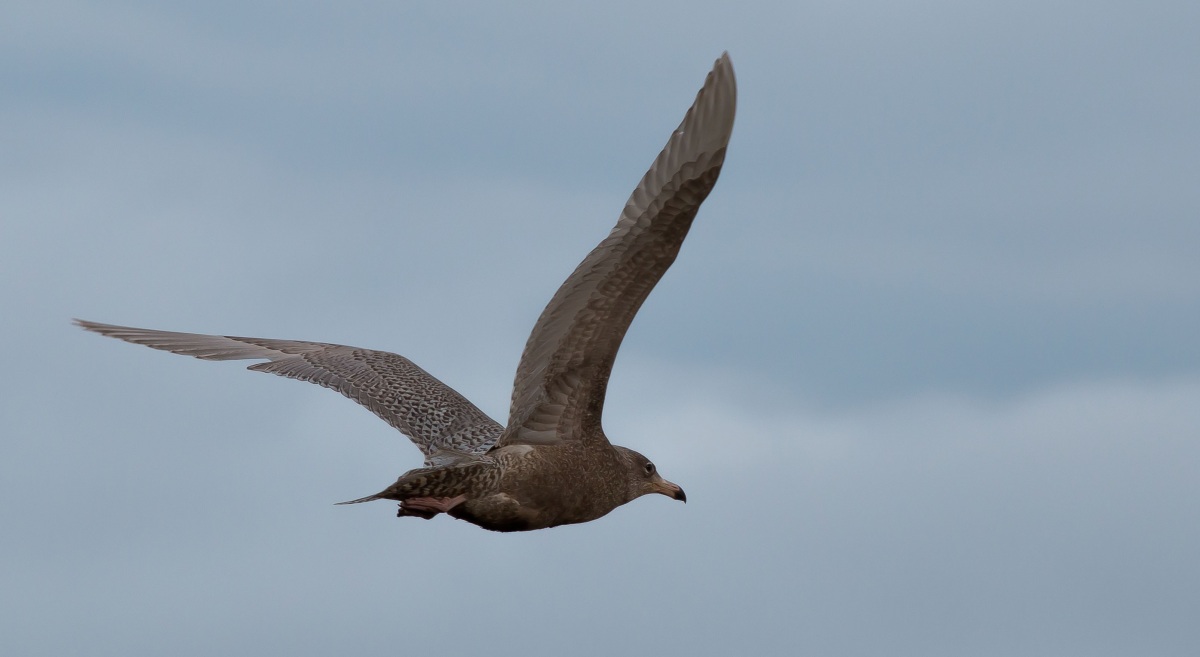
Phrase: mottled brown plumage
{"type": "Point", "coordinates": [552, 464]}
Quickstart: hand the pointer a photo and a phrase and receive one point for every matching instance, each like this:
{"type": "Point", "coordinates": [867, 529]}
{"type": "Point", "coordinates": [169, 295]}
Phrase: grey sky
{"type": "Point", "coordinates": [927, 365]}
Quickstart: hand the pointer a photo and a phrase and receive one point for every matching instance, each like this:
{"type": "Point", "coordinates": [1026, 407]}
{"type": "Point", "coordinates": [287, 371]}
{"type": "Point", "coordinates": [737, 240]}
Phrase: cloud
{"type": "Point", "coordinates": [724, 420]}
{"type": "Point", "coordinates": [1061, 516]}
{"type": "Point", "coordinates": [941, 522]}
{"type": "Point", "coordinates": [926, 366]}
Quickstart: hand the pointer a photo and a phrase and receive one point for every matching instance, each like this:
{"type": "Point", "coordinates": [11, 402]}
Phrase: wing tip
{"type": "Point", "coordinates": [724, 61]}
{"type": "Point", "coordinates": [106, 330]}
{"type": "Point", "coordinates": [720, 92]}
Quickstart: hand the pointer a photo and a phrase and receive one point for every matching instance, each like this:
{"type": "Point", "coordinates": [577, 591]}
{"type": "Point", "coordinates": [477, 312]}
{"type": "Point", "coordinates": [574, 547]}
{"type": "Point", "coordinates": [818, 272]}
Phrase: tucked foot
{"type": "Point", "coordinates": [404, 512]}
{"type": "Point", "coordinates": [428, 507]}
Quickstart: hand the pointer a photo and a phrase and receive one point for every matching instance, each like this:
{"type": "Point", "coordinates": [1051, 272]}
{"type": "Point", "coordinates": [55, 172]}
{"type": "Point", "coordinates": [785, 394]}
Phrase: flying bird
{"type": "Point", "coordinates": [551, 464]}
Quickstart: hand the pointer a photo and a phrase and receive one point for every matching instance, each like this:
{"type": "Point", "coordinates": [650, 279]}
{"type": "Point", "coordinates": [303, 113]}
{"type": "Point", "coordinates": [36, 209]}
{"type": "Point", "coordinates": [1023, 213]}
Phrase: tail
{"type": "Point", "coordinates": [447, 482]}
{"type": "Point", "coordinates": [368, 498]}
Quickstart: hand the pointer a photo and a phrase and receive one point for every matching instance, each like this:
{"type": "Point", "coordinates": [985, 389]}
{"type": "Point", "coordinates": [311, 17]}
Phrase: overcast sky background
{"type": "Point", "coordinates": [927, 365]}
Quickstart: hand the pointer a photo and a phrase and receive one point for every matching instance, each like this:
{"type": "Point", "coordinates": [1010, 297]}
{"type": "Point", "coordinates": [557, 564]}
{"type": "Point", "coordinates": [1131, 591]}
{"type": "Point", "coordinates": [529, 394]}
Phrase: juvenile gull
{"type": "Point", "coordinates": [552, 464]}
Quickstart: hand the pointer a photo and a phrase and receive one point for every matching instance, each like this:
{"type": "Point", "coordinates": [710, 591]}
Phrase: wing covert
{"type": "Point", "coordinates": [438, 420]}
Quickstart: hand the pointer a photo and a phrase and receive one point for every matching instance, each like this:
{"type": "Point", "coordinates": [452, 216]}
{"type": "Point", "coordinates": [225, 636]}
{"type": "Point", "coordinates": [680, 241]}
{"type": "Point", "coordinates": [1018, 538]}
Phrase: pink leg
{"type": "Point", "coordinates": [428, 507]}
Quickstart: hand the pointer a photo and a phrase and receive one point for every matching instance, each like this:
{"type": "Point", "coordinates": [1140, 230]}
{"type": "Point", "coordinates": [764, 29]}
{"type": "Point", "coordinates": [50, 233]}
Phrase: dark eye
{"type": "Point", "coordinates": [649, 468]}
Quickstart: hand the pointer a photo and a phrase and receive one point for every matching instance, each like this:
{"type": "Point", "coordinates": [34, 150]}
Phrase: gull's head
{"type": "Point", "coordinates": [644, 479]}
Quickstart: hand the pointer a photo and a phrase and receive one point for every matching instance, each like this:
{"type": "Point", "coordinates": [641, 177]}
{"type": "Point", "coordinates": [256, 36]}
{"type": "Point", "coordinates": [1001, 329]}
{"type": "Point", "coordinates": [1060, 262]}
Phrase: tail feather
{"type": "Point", "coordinates": [368, 498]}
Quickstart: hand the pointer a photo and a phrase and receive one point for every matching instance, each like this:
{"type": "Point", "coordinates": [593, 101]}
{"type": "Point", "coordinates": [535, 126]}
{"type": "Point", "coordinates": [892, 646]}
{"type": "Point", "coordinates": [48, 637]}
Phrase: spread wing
{"type": "Point", "coordinates": [439, 421]}
{"type": "Point", "coordinates": [560, 384]}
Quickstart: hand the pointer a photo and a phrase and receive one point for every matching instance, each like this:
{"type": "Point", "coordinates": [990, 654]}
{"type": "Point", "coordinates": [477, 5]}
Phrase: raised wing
{"type": "Point", "coordinates": [560, 384]}
{"type": "Point", "coordinates": [439, 421]}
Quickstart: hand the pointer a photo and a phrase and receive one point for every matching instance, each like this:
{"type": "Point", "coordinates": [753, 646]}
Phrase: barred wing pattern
{"type": "Point", "coordinates": [438, 420]}
{"type": "Point", "coordinates": [561, 379]}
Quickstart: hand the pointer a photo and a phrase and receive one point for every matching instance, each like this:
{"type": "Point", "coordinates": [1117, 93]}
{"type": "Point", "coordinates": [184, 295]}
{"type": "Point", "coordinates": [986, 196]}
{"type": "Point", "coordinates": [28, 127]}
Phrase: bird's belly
{"type": "Point", "coordinates": [499, 513]}
{"type": "Point", "coordinates": [502, 513]}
